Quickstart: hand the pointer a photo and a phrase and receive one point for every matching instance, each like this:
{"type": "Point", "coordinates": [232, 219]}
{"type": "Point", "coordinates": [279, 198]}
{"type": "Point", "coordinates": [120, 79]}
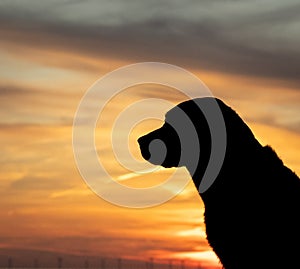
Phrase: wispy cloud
{"type": "Point", "coordinates": [228, 36]}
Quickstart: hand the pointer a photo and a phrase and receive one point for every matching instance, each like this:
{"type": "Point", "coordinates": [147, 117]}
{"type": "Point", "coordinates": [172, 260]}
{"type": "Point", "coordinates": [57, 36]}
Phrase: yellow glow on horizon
{"type": "Point", "coordinates": [44, 199]}
{"type": "Point", "coordinates": [207, 258]}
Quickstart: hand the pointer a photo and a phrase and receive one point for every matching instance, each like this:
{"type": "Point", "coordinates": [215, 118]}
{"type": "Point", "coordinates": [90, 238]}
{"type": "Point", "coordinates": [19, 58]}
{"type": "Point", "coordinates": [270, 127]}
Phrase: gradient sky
{"type": "Point", "coordinates": [246, 52]}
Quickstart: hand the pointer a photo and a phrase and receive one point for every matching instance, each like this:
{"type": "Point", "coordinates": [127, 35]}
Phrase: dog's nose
{"type": "Point", "coordinates": [144, 146]}
{"type": "Point", "coordinates": [140, 140]}
{"type": "Point", "coordinates": [144, 140]}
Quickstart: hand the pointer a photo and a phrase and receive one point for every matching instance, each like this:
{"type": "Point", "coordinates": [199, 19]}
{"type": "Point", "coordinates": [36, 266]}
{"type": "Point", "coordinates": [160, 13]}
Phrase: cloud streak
{"type": "Point", "coordinates": [233, 36]}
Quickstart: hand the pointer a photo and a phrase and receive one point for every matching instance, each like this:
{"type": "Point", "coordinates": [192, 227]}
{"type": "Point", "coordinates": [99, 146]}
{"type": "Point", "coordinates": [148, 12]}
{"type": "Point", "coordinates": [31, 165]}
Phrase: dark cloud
{"type": "Point", "coordinates": [11, 90]}
{"type": "Point", "coordinates": [20, 103]}
{"type": "Point", "coordinates": [227, 36]}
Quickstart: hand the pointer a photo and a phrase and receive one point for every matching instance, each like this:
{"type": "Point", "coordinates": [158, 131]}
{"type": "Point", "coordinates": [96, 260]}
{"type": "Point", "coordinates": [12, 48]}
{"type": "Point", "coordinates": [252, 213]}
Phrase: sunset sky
{"type": "Point", "coordinates": [246, 52]}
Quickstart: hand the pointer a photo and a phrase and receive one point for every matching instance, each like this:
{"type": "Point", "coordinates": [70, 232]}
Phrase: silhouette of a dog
{"type": "Point", "coordinates": [252, 208]}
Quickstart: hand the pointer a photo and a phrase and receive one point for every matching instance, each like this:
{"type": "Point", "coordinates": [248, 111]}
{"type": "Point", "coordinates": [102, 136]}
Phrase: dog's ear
{"type": "Point", "coordinates": [237, 131]}
{"type": "Point", "coordinates": [193, 132]}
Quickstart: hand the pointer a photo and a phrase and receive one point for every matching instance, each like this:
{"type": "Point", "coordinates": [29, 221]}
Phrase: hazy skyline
{"type": "Point", "coordinates": [246, 52]}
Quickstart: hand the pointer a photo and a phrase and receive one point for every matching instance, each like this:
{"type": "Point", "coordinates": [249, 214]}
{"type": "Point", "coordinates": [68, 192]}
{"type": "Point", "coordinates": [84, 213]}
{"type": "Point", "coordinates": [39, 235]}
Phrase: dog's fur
{"type": "Point", "coordinates": [252, 208]}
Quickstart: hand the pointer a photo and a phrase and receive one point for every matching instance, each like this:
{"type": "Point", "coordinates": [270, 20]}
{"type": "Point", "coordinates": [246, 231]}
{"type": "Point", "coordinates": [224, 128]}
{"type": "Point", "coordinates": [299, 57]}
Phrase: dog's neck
{"type": "Point", "coordinates": [236, 158]}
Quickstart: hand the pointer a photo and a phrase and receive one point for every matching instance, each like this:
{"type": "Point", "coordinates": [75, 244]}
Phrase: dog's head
{"type": "Point", "coordinates": [200, 134]}
{"type": "Point", "coordinates": [181, 138]}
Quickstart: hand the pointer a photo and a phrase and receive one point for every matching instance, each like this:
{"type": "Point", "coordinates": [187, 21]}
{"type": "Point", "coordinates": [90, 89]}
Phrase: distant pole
{"type": "Point", "coordinates": [103, 263]}
{"type": "Point", "coordinates": [170, 264]}
{"type": "Point", "coordinates": [36, 263]}
{"type": "Point", "coordinates": [10, 262]}
{"type": "Point", "coordinates": [59, 262]}
{"type": "Point", "coordinates": [151, 263]}
{"type": "Point", "coordinates": [182, 264]}
{"type": "Point", "coordinates": [119, 263]}
{"type": "Point", "coordinates": [86, 264]}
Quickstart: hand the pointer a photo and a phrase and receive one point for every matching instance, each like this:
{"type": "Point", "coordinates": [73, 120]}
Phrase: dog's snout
{"type": "Point", "coordinates": [141, 140]}
{"type": "Point", "coordinates": [144, 146]}
{"type": "Point", "coordinates": [161, 147]}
